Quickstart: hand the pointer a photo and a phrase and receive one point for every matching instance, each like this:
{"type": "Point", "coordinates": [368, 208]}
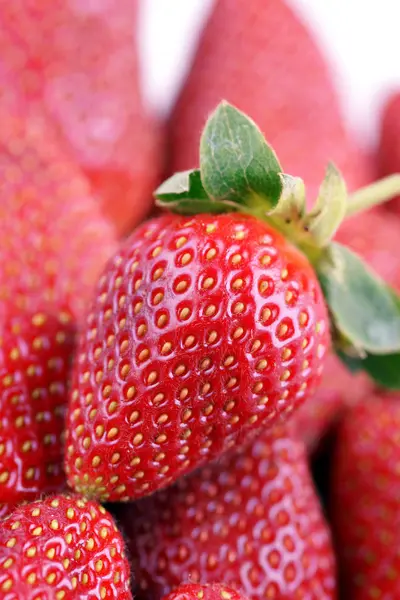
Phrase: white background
{"type": "Point", "coordinates": [360, 37]}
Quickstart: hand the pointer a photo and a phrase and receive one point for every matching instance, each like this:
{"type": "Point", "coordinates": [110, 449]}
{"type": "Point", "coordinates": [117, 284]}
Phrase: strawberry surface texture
{"type": "Point", "coordinates": [252, 520]}
{"type": "Point", "coordinates": [62, 548]}
{"type": "Point", "coordinates": [78, 61]}
{"type": "Point", "coordinates": [389, 141]}
{"type": "Point", "coordinates": [216, 591]}
{"type": "Point", "coordinates": [260, 57]}
{"type": "Point", "coordinates": [54, 244]}
{"type": "Point", "coordinates": [204, 331]}
{"type": "Point", "coordinates": [365, 492]}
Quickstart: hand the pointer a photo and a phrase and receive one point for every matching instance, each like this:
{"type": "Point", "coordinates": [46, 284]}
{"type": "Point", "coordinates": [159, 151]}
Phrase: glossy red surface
{"type": "Point", "coordinates": [194, 591]}
{"type": "Point", "coordinates": [365, 499]}
{"type": "Point", "coordinates": [252, 520]}
{"type": "Point", "coordinates": [62, 548]}
{"type": "Point", "coordinates": [78, 62]}
{"type": "Point", "coordinates": [204, 332]}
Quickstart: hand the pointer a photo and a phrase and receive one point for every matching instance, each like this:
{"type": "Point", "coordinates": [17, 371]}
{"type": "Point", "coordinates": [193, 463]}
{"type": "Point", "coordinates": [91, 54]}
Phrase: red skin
{"type": "Point", "coordinates": [195, 591]}
{"type": "Point", "coordinates": [72, 538]}
{"type": "Point", "coordinates": [389, 141]}
{"type": "Point", "coordinates": [338, 389]}
{"type": "Point", "coordinates": [252, 520]}
{"type": "Point", "coordinates": [258, 56]}
{"type": "Point", "coordinates": [365, 499]}
{"type": "Point", "coordinates": [79, 62]}
{"type": "Point", "coordinates": [374, 235]}
{"type": "Point", "coordinates": [54, 244]}
{"type": "Point", "coordinates": [207, 345]}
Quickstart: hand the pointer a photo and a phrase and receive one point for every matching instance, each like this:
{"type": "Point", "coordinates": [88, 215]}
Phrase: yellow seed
{"type": "Point", "coordinates": [141, 330]}
{"type": "Point", "coordinates": [286, 353]}
{"type": "Point", "coordinates": [112, 433]}
{"type": "Point", "coordinates": [210, 228]}
{"type": "Point", "coordinates": [162, 418]}
{"type": "Point", "coordinates": [90, 544]}
{"type": "Point", "coordinates": [134, 416]}
{"type": "Point", "coordinates": [31, 552]}
{"type": "Point", "coordinates": [157, 273]}
{"type": "Point", "coordinates": [238, 308]}
{"type": "Point", "coordinates": [183, 393]}
{"type": "Point", "coordinates": [131, 392]}
{"type": "Point", "coordinates": [261, 365]}
{"type": "Point", "coordinates": [284, 274]}
{"type": "Point", "coordinates": [210, 310]}
{"type": "Point", "coordinates": [51, 553]}
{"type": "Point", "coordinates": [54, 524]}
{"type": "Point", "coordinates": [181, 241]}
{"type": "Point", "coordinates": [153, 376]}
{"type": "Point", "coordinates": [162, 319]}
{"type": "Point", "coordinates": [181, 286]}
{"type": "Point", "coordinates": [7, 585]}
{"type": "Point", "coordinates": [137, 439]}
{"type": "Point", "coordinates": [11, 542]}
{"type": "Point", "coordinates": [211, 253]}
{"type": "Point", "coordinates": [282, 329]}
{"type": "Point", "coordinates": [158, 298]}
{"type": "Point", "coordinates": [236, 258]}
{"type": "Point", "coordinates": [180, 370]}
{"type": "Point", "coordinates": [98, 565]}
{"type": "Point", "coordinates": [156, 251]}
{"type": "Point", "coordinates": [228, 361]}
{"type": "Point", "coordinates": [285, 375]}
{"type": "Point", "coordinates": [237, 284]}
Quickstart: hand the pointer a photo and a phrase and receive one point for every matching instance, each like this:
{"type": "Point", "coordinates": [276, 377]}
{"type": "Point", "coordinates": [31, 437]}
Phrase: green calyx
{"type": "Point", "coordinates": [240, 172]}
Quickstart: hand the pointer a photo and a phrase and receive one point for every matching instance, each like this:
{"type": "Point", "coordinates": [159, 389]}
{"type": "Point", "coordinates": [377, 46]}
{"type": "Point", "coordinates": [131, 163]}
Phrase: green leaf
{"type": "Point", "coordinates": [236, 162]}
{"type": "Point", "coordinates": [184, 193]}
{"type": "Point", "coordinates": [364, 309]}
{"type": "Point", "coordinates": [329, 209]}
{"type": "Point", "coordinates": [292, 202]}
{"type": "Point", "coordinates": [383, 369]}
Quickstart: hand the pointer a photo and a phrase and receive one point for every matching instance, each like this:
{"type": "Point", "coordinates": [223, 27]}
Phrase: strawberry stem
{"type": "Point", "coordinates": [374, 194]}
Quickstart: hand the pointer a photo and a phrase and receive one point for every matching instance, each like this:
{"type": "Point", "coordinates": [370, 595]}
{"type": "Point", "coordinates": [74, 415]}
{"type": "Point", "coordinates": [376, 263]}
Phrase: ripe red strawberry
{"type": "Point", "coordinates": [374, 235]}
{"type": "Point", "coordinates": [252, 520]}
{"type": "Point", "coordinates": [53, 244]}
{"type": "Point", "coordinates": [365, 499]}
{"type": "Point", "coordinates": [204, 330]}
{"type": "Point", "coordinates": [79, 61]}
{"type": "Point", "coordinates": [260, 57]}
{"type": "Point", "coordinates": [62, 547]}
{"type": "Point", "coordinates": [389, 140]}
{"type": "Point", "coordinates": [195, 591]}
{"type": "Point", "coordinates": [338, 389]}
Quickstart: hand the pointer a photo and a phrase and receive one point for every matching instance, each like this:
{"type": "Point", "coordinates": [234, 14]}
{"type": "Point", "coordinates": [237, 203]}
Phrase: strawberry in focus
{"type": "Point", "coordinates": [210, 325]}
{"type": "Point", "coordinates": [54, 242]}
{"type": "Point", "coordinates": [62, 548]}
{"type": "Point", "coordinates": [204, 331]}
{"type": "Point", "coordinates": [365, 499]}
{"type": "Point", "coordinates": [252, 520]}
{"type": "Point", "coordinates": [260, 57]}
{"type": "Point", "coordinates": [195, 591]}
{"type": "Point", "coordinates": [388, 157]}
{"type": "Point", "coordinates": [79, 62]}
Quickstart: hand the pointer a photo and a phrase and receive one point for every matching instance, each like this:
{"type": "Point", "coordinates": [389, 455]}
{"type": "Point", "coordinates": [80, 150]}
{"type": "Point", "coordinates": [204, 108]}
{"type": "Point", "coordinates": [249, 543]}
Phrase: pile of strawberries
{"type": "Point", "coordinates": [223, 377]}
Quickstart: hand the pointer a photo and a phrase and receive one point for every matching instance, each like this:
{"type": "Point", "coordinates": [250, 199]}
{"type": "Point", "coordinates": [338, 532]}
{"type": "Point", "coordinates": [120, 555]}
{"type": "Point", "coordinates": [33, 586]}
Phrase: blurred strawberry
{"type": "Point", "coordinates": [252, 520]}
{"type": "Point", "coordinates": [259, 56]}
{"type": "Point", "coordinates": [79, 61]}
{"type": "Point", "coordinates": [195, 591]}
{"type": "Point", "coordinates": [389, 140]}
{"type": "Point", "coordinates": [338, 389]}
{"type": "Point", "coordinates": [53, 243]}
{"type": "Point", "coordinates": [365, 500]}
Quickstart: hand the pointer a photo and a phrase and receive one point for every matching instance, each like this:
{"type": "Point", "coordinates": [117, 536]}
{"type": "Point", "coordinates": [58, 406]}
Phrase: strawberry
{"type": "Point", "coordinates": [338, 389]}
{"type": "Point", "coordinates": [195, 591]}
{"type": "Point", "coordinates": [260, 57]}
{"type": "Point", "coordinates": [389, 140]}
{"type": "Point", "coordinates": [54, 242]}
{"type": "Point", "coordinates": [252, 520]}
{"type": "Point", "coordinates": [80, 63]}
{"type": "Point", "coordinates": [210, 325]}
{"type": "Point", "coordinates": [62, 547]}
{"type": "Point", "coordinates": [365, 494]}
{"type": "Point", "coordinates": [203, 330]}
